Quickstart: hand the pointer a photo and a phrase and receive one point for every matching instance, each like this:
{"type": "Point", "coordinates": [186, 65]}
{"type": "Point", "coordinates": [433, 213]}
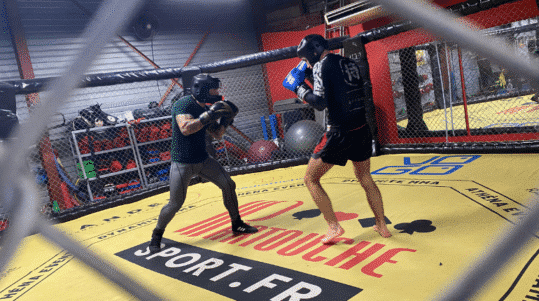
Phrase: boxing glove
{"type": "Point", "coordinates": [228, 120]}
{"type": "Point", "coordinates": [235, 109]}
{"type": "Point", "coordinates": [214, 126]}
{"type": "Point", "coordinates": [295, 77]}
{"type": "Point", "coordinates": [216, 111]}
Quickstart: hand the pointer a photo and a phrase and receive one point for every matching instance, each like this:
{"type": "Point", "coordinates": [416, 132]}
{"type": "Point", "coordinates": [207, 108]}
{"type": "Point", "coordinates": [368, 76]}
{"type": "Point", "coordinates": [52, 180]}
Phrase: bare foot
{"type": "Point", "coordinates": [334, 231]}
{"type": "Point", "coordinates": [383, 231]}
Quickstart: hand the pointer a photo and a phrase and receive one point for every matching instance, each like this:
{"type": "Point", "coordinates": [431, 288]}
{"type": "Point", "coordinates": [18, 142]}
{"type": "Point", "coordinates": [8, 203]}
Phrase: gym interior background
{"type": "Point", "coordinates": [429, 95]}
{"type": "Point", "coordinates": [108, 145]}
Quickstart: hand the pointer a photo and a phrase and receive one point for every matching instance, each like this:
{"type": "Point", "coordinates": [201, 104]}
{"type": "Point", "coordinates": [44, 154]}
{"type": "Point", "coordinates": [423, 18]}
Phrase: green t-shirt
{"type": "Point", "coordinates": [192, 148]}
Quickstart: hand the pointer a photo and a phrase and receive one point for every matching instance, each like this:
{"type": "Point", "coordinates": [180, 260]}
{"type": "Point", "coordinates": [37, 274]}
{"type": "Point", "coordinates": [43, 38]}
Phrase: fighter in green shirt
{"type": "Point", "coordinates": [191, 119]}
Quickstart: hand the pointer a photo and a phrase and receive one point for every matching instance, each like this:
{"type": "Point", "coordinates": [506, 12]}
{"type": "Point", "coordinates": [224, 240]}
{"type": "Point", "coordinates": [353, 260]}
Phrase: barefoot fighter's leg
{"type": "Point", "coordinates": [315, 170]}
{"type": "Point", "coordinates": [362, 170]}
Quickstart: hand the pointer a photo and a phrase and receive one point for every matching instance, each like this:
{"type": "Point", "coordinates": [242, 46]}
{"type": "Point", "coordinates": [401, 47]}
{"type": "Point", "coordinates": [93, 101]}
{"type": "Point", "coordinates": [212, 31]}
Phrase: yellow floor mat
{"type": "Point", "coordinates": [510, 112]}
{"type": "Point", "coordinates": [443, 211]}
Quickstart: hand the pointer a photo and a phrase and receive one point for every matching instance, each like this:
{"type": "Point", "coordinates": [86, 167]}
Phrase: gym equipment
{"type": "Point", "coordinates": [302, 137]}
{"type": "Point", "coordinates": [232, 149]}
{"type": "Point", "coordinates": [89, 169]}
{"type": "Point", "coordinates": [115, 166]}
{"type": "Point", "coordinates": [275, 137]}
{"type": "Point", "coordinates": [41, 176]}
{"type": "Point", "coordinates": [131, 164]}
{"type": "Point", "coordinates": [264, 128]}
{"type": "Point", "coordinates": [91, 117]}
{"type": "Point", "coordinates": [145, 26]}
{"type": "Point", "coordinates": [273, 125]}
{"type": "Point", "coordinates": [153, 111]}
{"type": "Point", "coordinates": [261, 151]}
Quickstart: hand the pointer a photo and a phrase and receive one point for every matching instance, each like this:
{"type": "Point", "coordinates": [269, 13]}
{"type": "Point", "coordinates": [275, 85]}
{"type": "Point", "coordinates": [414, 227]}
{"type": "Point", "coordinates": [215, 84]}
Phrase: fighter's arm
{"type": "Point", "coordinates": [188, 124]}
{"type": "Point", "coordinates": [216, 130]}
{"type": "Point", "coordinates": [295, 82]}
{"type": "Point", "coordinates": [316, 97]}
{"type": "Point", "coordinates": [309, 76]}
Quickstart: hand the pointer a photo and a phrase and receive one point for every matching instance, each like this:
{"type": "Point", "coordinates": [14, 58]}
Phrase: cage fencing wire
{"type": "Point", "coordinates": [515, 236]}
{"type": "Point", "coordinates": [16, 191]}
{"type": "Point", "coordinates": [96, 160]}
{"type": "Point", "coordinates": [444, 91]}
{"type": "Point", "coordinates": [441, 90]}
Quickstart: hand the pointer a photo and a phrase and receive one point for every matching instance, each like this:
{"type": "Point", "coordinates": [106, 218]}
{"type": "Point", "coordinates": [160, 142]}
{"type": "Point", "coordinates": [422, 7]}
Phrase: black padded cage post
{"type": "Point", "coordinates": [8, 110]}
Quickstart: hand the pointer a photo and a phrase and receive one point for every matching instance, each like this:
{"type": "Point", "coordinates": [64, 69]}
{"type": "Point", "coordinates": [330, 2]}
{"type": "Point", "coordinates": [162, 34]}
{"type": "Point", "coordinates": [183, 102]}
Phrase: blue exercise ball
{"type": "Point", "coordinates": [303, 136]}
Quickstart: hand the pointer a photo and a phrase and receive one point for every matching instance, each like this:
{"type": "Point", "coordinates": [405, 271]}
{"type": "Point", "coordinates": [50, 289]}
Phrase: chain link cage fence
{"type": "Point", "coordinates": [447, 98]}
{"type": "Point", "coordinates": [461, 93]}
{"type": "Point", "coordinates": [95, 156]}
{"type": "Point", "coordinates": [439, 94]}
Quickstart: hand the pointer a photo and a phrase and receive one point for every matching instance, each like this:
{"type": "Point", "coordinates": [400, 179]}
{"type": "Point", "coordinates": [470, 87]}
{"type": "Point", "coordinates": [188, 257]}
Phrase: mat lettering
{"type": "Point", "coordinates": [235, 277]}
{"type": "Point", "coordinates": [433, 166]}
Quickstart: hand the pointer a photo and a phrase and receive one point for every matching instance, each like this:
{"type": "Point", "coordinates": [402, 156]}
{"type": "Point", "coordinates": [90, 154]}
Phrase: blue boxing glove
{"type": "Point", "coordinates": [295, 77]}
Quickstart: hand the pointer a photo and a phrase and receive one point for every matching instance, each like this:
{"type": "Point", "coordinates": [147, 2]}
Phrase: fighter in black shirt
{"type": "Point", "coordinates": [338, 87]}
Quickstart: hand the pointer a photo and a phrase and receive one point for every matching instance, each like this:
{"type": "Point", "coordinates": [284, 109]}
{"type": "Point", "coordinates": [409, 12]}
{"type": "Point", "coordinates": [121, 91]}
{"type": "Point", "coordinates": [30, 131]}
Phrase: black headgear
{"type": "Point", "coordinates": [200, 88]}
{"type": "Point", "coordinates": [311, 48]}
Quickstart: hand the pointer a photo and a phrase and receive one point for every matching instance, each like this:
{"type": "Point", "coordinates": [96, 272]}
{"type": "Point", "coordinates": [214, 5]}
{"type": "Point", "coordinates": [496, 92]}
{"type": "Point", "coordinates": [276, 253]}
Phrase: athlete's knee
{"type": "Point", "coordinates": [366, 184]}
{"type": "Point", "coordinates": [229, 186]}
{"type": "Point", "coordinates": [365, 179]}
{"type": "Point", "coordinates": [311, 179]}
{"type": "Point", "coordinates": [172, 207]}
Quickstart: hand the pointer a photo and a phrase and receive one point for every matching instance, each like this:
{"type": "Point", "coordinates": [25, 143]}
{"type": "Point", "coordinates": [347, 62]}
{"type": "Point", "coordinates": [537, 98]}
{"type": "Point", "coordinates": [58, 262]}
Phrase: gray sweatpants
{"type": "Point", "coordinates": [180, 176]}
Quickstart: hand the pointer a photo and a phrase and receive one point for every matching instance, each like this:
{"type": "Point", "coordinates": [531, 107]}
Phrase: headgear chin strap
{"type": "Point", "coordinates": [201, 86]}
{"type": "Point", "coordinates": [311, 48]}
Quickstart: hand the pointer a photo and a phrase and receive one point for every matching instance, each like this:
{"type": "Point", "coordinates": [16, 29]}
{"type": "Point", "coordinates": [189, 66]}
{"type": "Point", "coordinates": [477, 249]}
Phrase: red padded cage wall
{"type": "Point", "coordinates": [430, 94]}
{"type": "Point", "coordinates": [491, 113]}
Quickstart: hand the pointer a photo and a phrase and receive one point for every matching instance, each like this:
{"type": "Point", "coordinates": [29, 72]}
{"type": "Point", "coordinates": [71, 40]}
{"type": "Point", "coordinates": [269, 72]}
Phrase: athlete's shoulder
{"type": "Point", "coordinates": [332, 57]}
{"type": "Point", "coordinates": [329, 62]}
{"type": "Point", "coordinates": [182, 104]}
{"type": "Point", "coordinates": [184, 100]}
{"type": "Point", "coordinates": [324, 60]}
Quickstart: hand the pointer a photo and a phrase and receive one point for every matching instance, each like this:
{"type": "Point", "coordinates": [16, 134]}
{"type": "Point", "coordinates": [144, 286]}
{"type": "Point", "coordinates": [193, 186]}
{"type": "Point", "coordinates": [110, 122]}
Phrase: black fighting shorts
{"type": "Point", "coordinates": [338, 146]}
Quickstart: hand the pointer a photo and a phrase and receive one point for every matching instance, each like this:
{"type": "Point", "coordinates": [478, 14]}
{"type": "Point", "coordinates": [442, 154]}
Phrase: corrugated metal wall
{"type": "Point", "coordinates": [52, 30]}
